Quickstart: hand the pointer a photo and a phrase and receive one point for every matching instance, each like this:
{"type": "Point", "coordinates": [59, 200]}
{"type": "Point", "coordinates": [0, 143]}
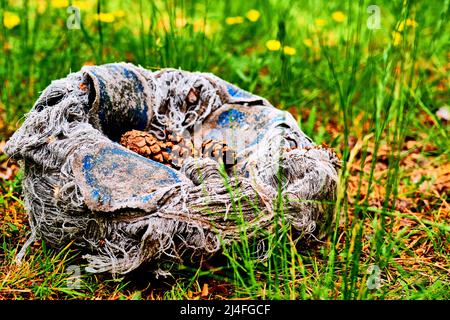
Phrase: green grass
{"type": "Point", "coordinates": [367, 93]}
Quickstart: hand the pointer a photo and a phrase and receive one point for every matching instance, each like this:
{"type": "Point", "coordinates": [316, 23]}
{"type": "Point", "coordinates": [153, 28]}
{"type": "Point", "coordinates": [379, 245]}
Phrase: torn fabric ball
{"type": "Point", "coordinates": [122, 208]}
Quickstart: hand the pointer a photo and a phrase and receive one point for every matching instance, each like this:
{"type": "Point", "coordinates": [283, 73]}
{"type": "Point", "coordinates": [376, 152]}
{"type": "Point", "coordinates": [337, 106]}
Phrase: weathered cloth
{"type": "Point", "coordinates": [80, 185]}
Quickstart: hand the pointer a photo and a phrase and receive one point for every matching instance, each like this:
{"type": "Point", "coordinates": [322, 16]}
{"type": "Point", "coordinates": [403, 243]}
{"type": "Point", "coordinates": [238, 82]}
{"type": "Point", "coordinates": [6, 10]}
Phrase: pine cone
{"type": "Point", "coordinates": [147, 145]}
{"type": "Point", "coordinates": [182, 149]}
{"type": "Point", "coordinates": [175, 149]}
{"type": "Point", "coordinates": [219, 151]}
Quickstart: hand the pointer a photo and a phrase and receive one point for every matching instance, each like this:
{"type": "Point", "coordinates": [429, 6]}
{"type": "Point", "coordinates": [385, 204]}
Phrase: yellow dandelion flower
{"type": "Point", "coordinates": [253, 15]}
{"type": "Point", "coordinates": [401, 26]}
{"type": "Point", "coordinates": [289, 50]}
{"type": "Point", "coordinates": [331, 39]}
{"type": "Point", "coordinates": [239, 19]}
{"type": "Point", "coordinates": [273, 45]}
{"type": "Point", "coordinates": [83, 5]}
{"type": "Point", "coordinates": [119, 13]}
{"type": "Point", "coordinates": [229, 20]}
{"type": "Point", "coordinates": [41, 6]}
{"type": "Point", "coordinates": [338, 16]}
{"type": "Point", "coordinates": [208, 27]}
{"type": "Point", "coordinates": [105, 17]}
{"type": "Point", "coordinates": [234, 20]}
{"type": "Point", "coordinates": [308, 42]}
{"type": "Point", "coordinates": [163, 23]}
{"type": "Point", "coordinates": [396, 38]}
{"type": "Point", "coordinates": [411, 23]}
{"type": "Point", "coordinates": [199, 25]}
{"type": "Point", "coordinates": [320, 22]}
{"type": "Point", "coordinates": [60, 3]}
{"type": "Point", "coordinates": [180, 22]}
{"type": "Point", "coordinates": [10, 19]}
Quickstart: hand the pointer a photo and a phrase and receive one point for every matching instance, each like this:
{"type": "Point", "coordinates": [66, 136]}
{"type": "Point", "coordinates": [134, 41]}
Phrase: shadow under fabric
{"type": "Point", "coordinates": [122, 209]}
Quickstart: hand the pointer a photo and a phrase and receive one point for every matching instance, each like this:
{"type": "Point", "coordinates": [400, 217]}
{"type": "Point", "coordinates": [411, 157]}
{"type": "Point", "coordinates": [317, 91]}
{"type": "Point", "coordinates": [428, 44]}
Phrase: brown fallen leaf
{"type": "Point", "coordinates": [205, 290]}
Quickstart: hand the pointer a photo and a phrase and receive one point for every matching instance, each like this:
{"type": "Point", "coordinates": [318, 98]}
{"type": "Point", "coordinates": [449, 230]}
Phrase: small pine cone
{"type": "Point", "coordinates": [146, 145]}
{"type": "Point", "coordinates": [219, 151]}
{"type": "Point", "coordinates": [181, 149]}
